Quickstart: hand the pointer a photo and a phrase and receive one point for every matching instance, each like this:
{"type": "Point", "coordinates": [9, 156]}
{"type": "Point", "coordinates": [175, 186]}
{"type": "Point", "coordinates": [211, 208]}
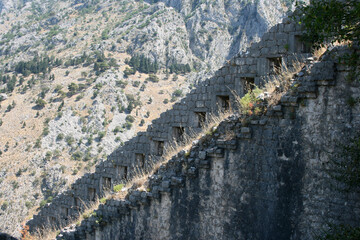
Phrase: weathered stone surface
{"type": "Point", "coordinates": [260, 185]}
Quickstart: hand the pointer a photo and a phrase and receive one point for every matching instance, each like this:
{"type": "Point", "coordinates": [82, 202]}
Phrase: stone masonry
{"type": "Point", "coordinates": [263, 178]}
{"type": "Point", "coordinates": [280, 47]}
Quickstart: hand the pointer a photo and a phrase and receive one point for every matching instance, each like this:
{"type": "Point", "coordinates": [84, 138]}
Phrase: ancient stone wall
{"type": "Point", "coordinates": [278, 48]}
{"type": "Point", "coordinates": [261, 179]}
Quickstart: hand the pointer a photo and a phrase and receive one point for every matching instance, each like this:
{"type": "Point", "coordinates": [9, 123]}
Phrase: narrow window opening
{"type": "Point", "coordinates": [178, 134]}
{"type": "Point", "coordinates": [275, 65]}
{"type": "Point", "coordinates": [301, 46]}
{"type": "Point", "coordinates": [106, 183]}
{"type": "Point", "coordinates": [91, 194]}
{"type": "Point", "coordinates": [249, 84]}
{"type": "Point", "coordinates": [64, 211]}
{"type": "Point", "coordinates": [77, 202]}
{"type": "Point", "coordinates": [140, 159]}
{"type": "Point", "coordinates": [224, 102]}
{"type": "Point", "coordinates": [159, 148]}
{"type": "Point", "coordinates": [53, 221]}
{"type": "Point", "coordinates": [122, 172]}
{"type": "Point", "coordinates": [201, 117]}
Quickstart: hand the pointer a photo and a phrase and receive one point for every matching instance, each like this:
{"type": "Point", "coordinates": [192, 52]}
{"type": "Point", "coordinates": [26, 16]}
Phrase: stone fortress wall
{"type": "Point", "coordinates": [279, 47]}
{"type": "Point", "coordinates": [262, 179]}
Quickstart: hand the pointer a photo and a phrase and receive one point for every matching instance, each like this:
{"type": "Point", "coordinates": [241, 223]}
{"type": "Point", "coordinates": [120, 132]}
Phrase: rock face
{"type": "Point", "coordinates": [203, 34]}
{"type": "Point", "coordinates": [203, 31]}
{"type": "Point", "coordinates": [258, 179]}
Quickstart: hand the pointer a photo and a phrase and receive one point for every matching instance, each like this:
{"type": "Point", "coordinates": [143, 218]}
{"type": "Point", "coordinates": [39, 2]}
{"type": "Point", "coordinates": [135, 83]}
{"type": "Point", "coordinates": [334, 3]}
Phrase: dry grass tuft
{"type": "Point", "coordinates": [140, 180]}
{"type": "Point", "coordinates": [319, 52]}
{"type": "Point", "coordinates": [51, 232]}
{"type": "Point", "coordinates": [281, 83]}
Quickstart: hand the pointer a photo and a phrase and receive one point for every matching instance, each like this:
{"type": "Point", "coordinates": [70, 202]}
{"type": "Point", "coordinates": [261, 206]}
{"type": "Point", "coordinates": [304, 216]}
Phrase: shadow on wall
{"type": "Point", "coordinates": [4, 236]}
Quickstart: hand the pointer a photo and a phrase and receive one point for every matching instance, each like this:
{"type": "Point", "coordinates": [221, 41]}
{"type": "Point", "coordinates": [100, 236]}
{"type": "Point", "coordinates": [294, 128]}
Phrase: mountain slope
{"type": "Point", "coordinates": [80, 77]}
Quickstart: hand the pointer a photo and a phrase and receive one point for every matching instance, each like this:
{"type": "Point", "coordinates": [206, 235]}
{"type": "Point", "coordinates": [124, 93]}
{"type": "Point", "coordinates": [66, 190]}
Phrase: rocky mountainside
{"type": "Point", "coordinates": [78, 78]}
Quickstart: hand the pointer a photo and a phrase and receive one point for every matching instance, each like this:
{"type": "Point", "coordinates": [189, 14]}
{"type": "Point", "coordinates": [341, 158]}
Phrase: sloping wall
{"type": "Point", "coordinates": [263, 180]}
{"type": "Point", "coordinates": [279, 47]}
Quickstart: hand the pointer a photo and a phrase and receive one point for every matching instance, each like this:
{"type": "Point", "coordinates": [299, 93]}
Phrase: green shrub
{"type": "Point", "coordinates": [130, 118]}
{"type": "Point", "coordinates": [48, 155]}
{"type": "Point", "coordinates": [127, 125]}
{"type": "Point", "coordinates": [73, 88]}
{"type": "Point", "coordinates": [330, 20]}
{"type": "Point", "coordinates": [117, 129]}
{"type": "Point", "coordinates": [129, 71]}
{"type": "Point", "coordinates": [37, 143]}
{"type": "Point", "coordinates": [5, 205]}
{"type": "Point", "coordinates": [177, 93]}
{"type": "Point", "coordinates": [60, 137]}
{"type": "Point", "coordinates": [46, 131]}
{"type": "Point", "coordinates": [69, 140]}
{"type": "Point", "coordinates": [153, 78]}
{"type": "Point", "coordinates": [101, 135]}
{"type": "Point", "coordinates": [28, 204]}
{"type": "Point", "coordinates": [118, 188]}
{"type": "Point", "coordinates": [248, 101]}
{"type": "Point", "coordinates": [136, 83]}
{"type": "Point", "coordinates": [77, 155]}
{"type": "Point", "coordinates": [40, 103]}
{"type": "Point", "coordinates": [42, 203]}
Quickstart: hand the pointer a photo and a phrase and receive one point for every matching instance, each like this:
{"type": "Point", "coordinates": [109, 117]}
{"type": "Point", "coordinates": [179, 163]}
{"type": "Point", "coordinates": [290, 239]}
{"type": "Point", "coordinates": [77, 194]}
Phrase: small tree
{"type": "Point", "coordinates": [73, 88]}
{"type": "Point", "coordinates": [40, 103]}
{"type": "Point", "coordinates": [330, 20]}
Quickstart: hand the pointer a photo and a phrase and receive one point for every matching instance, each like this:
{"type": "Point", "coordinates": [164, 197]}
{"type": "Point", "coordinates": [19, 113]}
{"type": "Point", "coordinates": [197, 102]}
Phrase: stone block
{"type": "Point", "coordinates": [191, 171]}
{"type": "Point", "coordinates": [253, 69]}
{"type": "Point", "coordinates": [282, 42]}
{"type": "Point", "coordinates": [277, 108]}
{"type": "Point", "coordinates": [280, 27]}
{"type": "Point", "coordinates": [240, 61]}
{"type": "Point", "coordinates": [274, 50]}
{"type": "Point", "coordinates": [220, 80]}
{"type": "Point", "coordinates": [283, 36]}
{"type": "Point", "coordinates": [228, 79]}
{"type": "Point", "coordinates": [264, 51]}
{"type": "Point", "coordinates": [273, 29]}
{"type": "Point", "coordinates": [205, 164]}
{"type": "Point", "coordinates": [270, 44]}
{"type": "Point", "coordinates": [176, 181]}
{"type": "Point", "coordinates": [245, 130]}
{"type": "Point", "coordinates": [244, 69]}
{"type": "Point", "coordinates": [263, 121]}
{"type": "Point", "coordinates": [202, 155]}
{"type": "Point", "coordinates": [200, 104]}
{"type": "Point", "coordinates": [256, 53]}
{"type": "Point", "coordinates": [290, 28]}
{"type": "Point", "coordinates": [268, 36]}
{"type": "Point", "coordinates": [282, 49]}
